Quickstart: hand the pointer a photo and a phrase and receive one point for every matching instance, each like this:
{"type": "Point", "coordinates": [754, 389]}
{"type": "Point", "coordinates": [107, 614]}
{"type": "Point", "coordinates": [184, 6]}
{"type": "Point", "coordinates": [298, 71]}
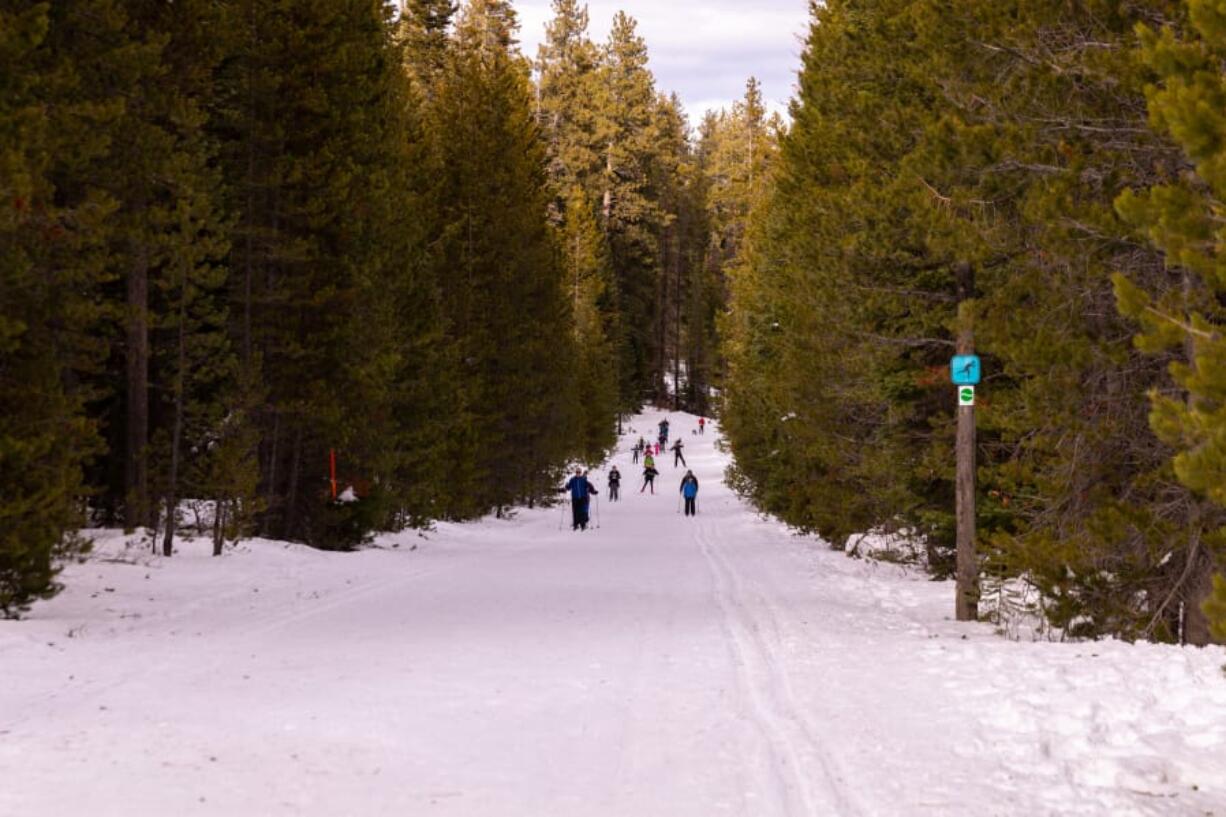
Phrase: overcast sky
{"type": "Point", "coordinates": [702, 49]}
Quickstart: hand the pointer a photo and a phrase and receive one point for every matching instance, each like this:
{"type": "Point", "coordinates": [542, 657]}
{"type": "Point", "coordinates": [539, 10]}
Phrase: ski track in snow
{"type": "Point", "coordinates": [787, 737]}
{"type": "Point", "coordinates": [656, 667]}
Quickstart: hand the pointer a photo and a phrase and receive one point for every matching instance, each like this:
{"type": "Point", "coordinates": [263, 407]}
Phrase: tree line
{"type": "Point", "coordinates": [1048, 175]}
{"type": "Point", "coordinates": [331, 267]}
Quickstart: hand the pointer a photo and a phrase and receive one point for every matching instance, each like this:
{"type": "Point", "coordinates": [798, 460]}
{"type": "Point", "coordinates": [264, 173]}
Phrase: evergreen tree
{"type": "Point", "coordinates": [1183, 314]}
{"type": "Point", "coordinates": [736, 151]}
{"type": "Point", "coordinates": [981, 192]}
{"type": "Point", "coordinates": [630, 211]}
{"type": "Point", "coordinates": [49, 265]}
{"type": "Point", "coordinates": [316, 141]}
{"type": "Point", "coordinates": [567, 67]}
{"type": "Point", "coordinates": [589, 280]}
{"type": "Point", "coordinates": [500, 274]}
{"type": "Point", "coordinates": [569, 93]}
{"type": "Point", "coordinates": [426, 26]}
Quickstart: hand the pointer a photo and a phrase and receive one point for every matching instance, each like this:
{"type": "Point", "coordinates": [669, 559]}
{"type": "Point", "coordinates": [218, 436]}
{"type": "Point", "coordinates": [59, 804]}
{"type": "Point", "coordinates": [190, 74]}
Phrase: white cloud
{"type": "Point", "coordinates": [704, 50]}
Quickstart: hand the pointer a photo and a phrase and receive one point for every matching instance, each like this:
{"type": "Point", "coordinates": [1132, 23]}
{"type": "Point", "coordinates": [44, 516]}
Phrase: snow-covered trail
{"type": "Point", "coordinates": [656, 666]}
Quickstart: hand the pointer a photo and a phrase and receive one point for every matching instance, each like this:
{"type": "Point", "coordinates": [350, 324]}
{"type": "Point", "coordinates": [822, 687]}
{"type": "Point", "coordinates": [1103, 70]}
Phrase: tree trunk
{"type": "Point", "coordinates": [219, 526]}
{"type": "Point", "coordinates": [677, 299]}
{"type": "Point", "coordinates": [136, 472]}
{"type": "Point", "coordinates": [291, 498]}
{"type": "Point", "coordinates": [270, 496]}
{"type": "Point", "coordinates": [1196, 627]}
{"type": "Point", "coordinates": [176, 436]}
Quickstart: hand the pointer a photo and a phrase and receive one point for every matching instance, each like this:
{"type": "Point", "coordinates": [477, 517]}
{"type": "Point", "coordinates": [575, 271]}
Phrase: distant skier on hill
{"type": "Point", "coordinates": [689, 490]}
{"type": "Point", "coordinates": [702, 425]}
{"type": "Point", "coordinates": [615, 485]}
{"type": "Point", "coordinates": [677, 455]}
{"type": "Point", "coordinates": [581, 493]}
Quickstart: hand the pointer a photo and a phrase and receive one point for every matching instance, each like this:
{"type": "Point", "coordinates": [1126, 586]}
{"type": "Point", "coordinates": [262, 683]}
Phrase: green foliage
{"type": "Point", "coordinates": [242, 237]}
{"type": "Point", "coordinates": [589, 277]}
{"type": "Point", "coordinates": [935, 142]}
{"type": "Point", "coordinates": [55, 125]}
{"type": "Point", "coordinates": [500, 274]}
{"type": "Point", "coordinates": [1181, 314]}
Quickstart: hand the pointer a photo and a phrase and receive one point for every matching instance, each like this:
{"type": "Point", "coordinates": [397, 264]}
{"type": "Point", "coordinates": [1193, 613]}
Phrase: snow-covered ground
{"type": "Point", "coordinates": [657, 667]}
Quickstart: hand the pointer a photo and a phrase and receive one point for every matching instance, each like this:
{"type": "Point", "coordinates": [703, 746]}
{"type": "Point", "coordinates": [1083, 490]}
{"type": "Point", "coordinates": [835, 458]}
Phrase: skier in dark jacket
{"type": "Point", "coordinates": [581, 493]}
{"type": "Point", "coordinates": [689, 490]}
{"type": "Point", "coordinates": [649, 478]}
{"type": "Point", "coordinates": [677, 455]}
{"type": "Point", "coordinates": [615, 485]}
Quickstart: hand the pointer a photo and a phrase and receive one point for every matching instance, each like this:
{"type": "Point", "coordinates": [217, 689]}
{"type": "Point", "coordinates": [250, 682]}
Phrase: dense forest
{"type": "Point", "coordinates": [327, 268]}
{"type": "Point", "coordinates": [334, 267]}
{"type": "Point", "coordinates": [1048, 176]}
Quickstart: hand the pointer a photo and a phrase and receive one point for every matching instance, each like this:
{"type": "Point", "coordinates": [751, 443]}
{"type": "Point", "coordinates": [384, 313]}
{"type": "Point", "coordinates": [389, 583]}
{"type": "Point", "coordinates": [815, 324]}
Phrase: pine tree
{"type": "Point", "coordinates": [569, 83]}
{"type": "Point", "coordinates": [316, 135]}
{"type": "Point", "coordinates": [569, 80]}
{"type": "Point", "coordinates": [426, 26]}
{"type": "Point", "coordinates": [1183, 217]}
{"type": "Point", "coordinates": [736, 152]}
{"type": "Point", "coordinates": [57, 123]}
{"type": "Point", "coordinates": [997, 162]}
{"type": "Point", "coordinates": [590, 280]}
{"type": "Point", "coordinates": [630, 212]}
{"type": "Point", "coordinates": [500, 273]}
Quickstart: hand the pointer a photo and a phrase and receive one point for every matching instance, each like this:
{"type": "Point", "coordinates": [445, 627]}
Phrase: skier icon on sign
{"type": "Point", "coordinates": [964, 370]}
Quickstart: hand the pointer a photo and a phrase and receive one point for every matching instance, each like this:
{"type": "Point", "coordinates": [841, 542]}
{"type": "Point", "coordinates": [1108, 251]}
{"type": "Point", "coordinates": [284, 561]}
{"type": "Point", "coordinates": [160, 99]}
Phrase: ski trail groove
{"type": "Point", "coordinates": [850, 802]}
{"type": "Point", "coordinates": [772, 703]}
{"type": "Point", "coordinates": [782, 773]}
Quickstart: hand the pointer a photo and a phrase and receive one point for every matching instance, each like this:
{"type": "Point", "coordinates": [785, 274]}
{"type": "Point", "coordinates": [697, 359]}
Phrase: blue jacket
{"type": "Point", "coordinates": [580, 488]}
{"type": "Point", "coordinates": [689, 487]}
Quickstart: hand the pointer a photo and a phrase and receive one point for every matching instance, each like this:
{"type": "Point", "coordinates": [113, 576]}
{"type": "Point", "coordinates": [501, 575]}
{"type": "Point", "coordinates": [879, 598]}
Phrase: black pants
{"type": "Point", "coordinates": [691, 506]}
{"type": "Point", "coordinates": [615, 491]}
{"type": "Point", "coordinates": [636, 456]}
{"type": "Point", "coordinates": [578, 510]}
{"type": "Point", "coordinates": [651, 481]}
{"type": "Point", "coordinates": [679, 456]}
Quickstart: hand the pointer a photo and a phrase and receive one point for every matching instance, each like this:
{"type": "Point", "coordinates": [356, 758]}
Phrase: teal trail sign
{"type": "Point", "coordinates": [964, 370]}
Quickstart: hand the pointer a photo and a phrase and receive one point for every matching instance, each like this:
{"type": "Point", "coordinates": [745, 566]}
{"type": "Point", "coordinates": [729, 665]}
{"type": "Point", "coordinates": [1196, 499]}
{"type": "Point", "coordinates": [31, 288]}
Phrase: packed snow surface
{"type": "Point", "coordinates": [658, 666]}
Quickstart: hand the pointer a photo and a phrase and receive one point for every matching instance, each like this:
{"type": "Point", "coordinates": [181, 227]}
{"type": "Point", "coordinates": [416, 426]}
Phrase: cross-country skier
{"type": "Point", "coordinates": [677, 455]}
{"type": "Point", "coordinates": [635, 451]}
{"type": "Point", "coordinates": [615, 485]}
{"type": "Point", "coordinates": [581, 493]}
{"type": "Point", "coordinates": [649, 477]}
{"type": "Point", "coordinates": [702, 425]}
{"type": "Point", "coordinates": [689, 490]}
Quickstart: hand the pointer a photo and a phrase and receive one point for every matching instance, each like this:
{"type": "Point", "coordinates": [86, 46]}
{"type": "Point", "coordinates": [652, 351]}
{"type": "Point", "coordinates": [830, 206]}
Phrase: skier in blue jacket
{"type": "Point", "coordinates": [581, 493]}
{"type": "Point", "coordinates": [689, 490]}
